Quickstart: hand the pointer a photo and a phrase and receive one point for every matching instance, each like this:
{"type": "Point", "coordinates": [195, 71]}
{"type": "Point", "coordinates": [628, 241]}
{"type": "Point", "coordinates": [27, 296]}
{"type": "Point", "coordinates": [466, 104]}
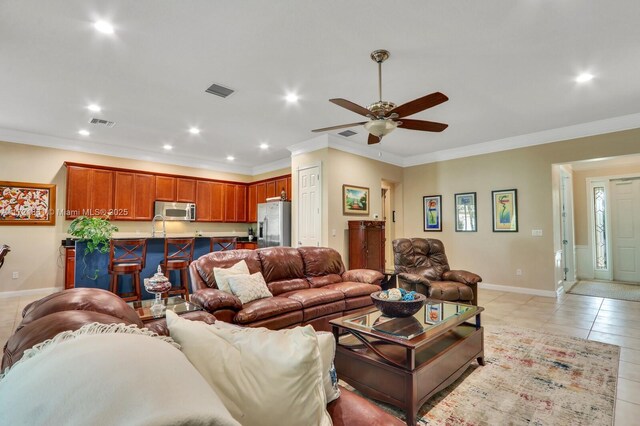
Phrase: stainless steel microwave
{"type": "Point", "coordinates": [176, 211]}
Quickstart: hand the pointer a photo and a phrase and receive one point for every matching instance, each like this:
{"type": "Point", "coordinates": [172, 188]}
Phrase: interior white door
{"type": "Point", "coordinates": [309, 208]}
{"type": "Point", "coordinates": [625, 212]}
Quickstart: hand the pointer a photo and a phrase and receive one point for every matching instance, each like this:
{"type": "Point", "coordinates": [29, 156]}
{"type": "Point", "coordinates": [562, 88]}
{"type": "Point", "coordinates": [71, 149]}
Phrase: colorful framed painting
{"type": "Point", "coordinates": [355, 200]}
{"type": "Point", "coordinates": [24, 203]}
{"type": "Point", "coordinates": [505, 210]}
{"type": "Point", "coordinates": [466, 216]}
{"type": "Point", "coordinates": [432, 212]}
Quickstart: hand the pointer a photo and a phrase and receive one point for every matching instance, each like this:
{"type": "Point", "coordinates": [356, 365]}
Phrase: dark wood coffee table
{"type": "Point", "coordinates": [174, 303]}
{"type": "Point", "coordinates": [405, 361]}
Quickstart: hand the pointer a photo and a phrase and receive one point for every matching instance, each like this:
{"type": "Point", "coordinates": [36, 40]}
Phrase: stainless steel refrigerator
{"type": "Point", "coordinates": [274, 224]}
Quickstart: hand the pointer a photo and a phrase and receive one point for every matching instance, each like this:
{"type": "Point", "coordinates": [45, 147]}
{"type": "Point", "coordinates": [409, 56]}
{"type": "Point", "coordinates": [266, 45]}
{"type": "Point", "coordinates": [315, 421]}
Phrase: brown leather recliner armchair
{"type": "Point", "coordinates": [422, 266]}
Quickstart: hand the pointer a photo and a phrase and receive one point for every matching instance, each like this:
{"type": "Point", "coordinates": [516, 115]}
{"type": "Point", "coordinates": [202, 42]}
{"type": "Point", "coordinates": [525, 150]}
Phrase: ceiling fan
{"type": "Point", "coordinates": [385, 116]}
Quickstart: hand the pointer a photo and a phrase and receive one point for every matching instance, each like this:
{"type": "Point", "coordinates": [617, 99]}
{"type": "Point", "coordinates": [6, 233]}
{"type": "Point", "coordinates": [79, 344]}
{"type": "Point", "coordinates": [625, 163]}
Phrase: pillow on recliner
{"type": "Point", "coordinates": [222, 275]}
{"type": "Point", "coordinates": [248, 287]}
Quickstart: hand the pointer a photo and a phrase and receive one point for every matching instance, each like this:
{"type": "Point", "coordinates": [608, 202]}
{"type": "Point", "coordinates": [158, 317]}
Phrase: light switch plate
{"type": "Point", "coordinates": [536, 232]}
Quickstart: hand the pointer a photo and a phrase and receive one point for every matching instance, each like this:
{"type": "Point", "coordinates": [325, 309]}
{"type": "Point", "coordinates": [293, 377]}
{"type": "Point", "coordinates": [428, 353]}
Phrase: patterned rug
{"type": "Point", "coordinates": [530, 378]}
{"type": "Point", "coordinates": [612, 290]}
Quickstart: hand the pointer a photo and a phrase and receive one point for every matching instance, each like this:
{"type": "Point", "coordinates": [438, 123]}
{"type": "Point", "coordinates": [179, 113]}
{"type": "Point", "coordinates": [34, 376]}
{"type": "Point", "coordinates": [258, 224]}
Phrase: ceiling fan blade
{"type": "Point", "coordinates": [373, 139]}
{"type": "Point", "coordinates": [420, 104]}
{"type": "Point", "coordinates": [427, 126]}
{"type": "Point", "coordinates": [351, 106]}
{"type": "Point", "coordinates": [342, 126]}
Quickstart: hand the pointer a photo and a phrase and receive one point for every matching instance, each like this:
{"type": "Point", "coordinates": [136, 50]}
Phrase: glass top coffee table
{"type": "Point", "coordinates": [174, 303]}
{"type": "Point", "coordinates": [405, 361]}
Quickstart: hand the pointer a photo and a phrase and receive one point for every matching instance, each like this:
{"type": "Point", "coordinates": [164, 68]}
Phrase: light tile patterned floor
{"type": "Point", "coordinates": [595, 318]}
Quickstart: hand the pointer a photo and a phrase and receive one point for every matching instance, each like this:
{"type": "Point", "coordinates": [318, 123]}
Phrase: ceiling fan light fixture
{"type": "Point", "coordinates": [381, 128]}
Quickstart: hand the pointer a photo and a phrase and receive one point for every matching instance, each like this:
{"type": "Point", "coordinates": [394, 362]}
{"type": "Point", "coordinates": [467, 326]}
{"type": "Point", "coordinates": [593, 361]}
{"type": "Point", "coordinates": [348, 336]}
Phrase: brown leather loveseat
{"type": "Point", "coordinates": [71, 309]}
{"type": "Point", "coordinates": [422, 266]}
{"type": "Point", "coordinates": [309, 286]}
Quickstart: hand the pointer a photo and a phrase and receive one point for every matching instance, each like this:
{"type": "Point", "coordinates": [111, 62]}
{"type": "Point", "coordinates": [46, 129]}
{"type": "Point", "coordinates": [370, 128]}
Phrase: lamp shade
{"type": "Point", "coordinates": [380, 128]}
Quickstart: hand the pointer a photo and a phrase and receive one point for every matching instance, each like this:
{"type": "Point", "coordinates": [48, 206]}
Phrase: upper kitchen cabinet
{"type": "Point", "coordinates": [210, 201]}
{"type": "Point", "coordinates": [134, 196]}
{"type": "Point", "coordinates": [235, 203]}
{"type": "Point", "coordinates": [89, 192]}
{"type": "Point", "coordinates": [271, 189]}
{"type": "Point", "coordinates": [166, 188]}
{"type": "Point", "coordinates": [185, 190]}
{"type": "Point", "coordinates": [252, 203]}
{"type": "Point", "coordinates": [281, 185]}
{"type": "Point", "coordinates": [289, 189]}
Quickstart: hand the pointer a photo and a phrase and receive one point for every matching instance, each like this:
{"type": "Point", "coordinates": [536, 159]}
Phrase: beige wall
{"type": "Point", "coordinates": [35, 250]}
{"type": "Point", "coordinates": [339, 168]}
{"type": "Point", "coordinates": [580, 200]}
{"type": "Point", "coordinates": [496, 256]}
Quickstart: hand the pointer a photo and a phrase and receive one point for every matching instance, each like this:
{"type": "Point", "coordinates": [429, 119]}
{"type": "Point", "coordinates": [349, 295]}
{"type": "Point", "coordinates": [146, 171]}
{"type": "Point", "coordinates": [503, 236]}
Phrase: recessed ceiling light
{"type": "Point", "coordinates": [230, 157]}
{"type": "Point", "coordinates": [264, 146]}
{"type": "Point", "coordinates": [194, 130]}
{"type": "Point", "coordinates": [103, 27]}
{"type": "Point", "coordinates": [84, 132]}
{"type": "Point", "coordinates": [584, 77]}
{"type": "Point", "coordinates": [292, 98]}
{"type": "Point", "coordinates": [94, 108]}
{"type": "Point", "coordinates": [168, 147]}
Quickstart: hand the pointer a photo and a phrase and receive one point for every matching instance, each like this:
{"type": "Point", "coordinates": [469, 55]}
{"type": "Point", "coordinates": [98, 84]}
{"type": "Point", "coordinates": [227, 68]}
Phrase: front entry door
{"type": "Point", "coordinates": [625, 212]}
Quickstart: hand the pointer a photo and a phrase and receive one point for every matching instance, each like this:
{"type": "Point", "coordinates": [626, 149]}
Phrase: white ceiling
{"type": "Point", "coordinates": [507, 67]}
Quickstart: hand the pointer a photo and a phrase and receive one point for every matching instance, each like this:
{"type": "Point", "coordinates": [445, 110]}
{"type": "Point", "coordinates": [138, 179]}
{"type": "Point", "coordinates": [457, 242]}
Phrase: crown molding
{"type": "Point", "coordinates": [270, 167]}
{"type": "Point", "coordinates": [310, 145]}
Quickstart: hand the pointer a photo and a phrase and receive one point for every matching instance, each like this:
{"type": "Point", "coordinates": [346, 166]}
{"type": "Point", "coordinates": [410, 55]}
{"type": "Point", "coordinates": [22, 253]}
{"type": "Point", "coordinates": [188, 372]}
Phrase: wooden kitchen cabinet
{"type": "Point", "coordinates": [271, 189]}
{"type": "Point", "coordinates": [210, 201]}
{"type": "Point", "coordinates": [69, 267]}
{"type": "Point", "coordinates": [247, 245]}
{"type": "Point", "coordinates": [89, 192]}
{"type": "Point", "coordinates": [252, 203]}
{"type": "Point", "coordinates": [289, 189]}
{"type": "Point", "coordinates": [241, 203]}
{"type": "Point", "coordinates": [185, 190]}
{"type": "Point", "coordinates": [281, 185]}
{"type": "Point", "coordinates": [235, 209]}
{"type": "Point", "coordinates": [261, 193]}
{"type": "Point", "coordinates": [134, 196]}
{"type": "Point", "coordinates": [165, 188]}
{"type": "Point", "coordinates": [366, 244]}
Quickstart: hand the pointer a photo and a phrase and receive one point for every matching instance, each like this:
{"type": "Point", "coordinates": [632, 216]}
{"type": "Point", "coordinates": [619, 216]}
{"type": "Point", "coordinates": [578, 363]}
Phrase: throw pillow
{"type": "Point", "coordinates": [107, 375]}
{"type": "Point", "coordinates": [327, 345]}
{"type": "Point", "coordinates": [222, 275]}
{"type": "Point", "coordinates": [249, 287]}
{"type": "Point", "coordinates": [264, 377]}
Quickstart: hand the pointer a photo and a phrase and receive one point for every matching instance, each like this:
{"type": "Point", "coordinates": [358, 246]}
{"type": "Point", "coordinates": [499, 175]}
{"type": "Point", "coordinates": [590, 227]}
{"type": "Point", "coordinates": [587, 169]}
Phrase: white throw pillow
{"type": "Point", "coordinates": [264, 377]}
{"type": "Point", "coordinates": [123, 377]}
{"type": "Point", "coordinates": [249, 287]}
{"type": "Point", "coordinates": [222, 275]}
{"type": "Point", "coordinates": [327, 345]}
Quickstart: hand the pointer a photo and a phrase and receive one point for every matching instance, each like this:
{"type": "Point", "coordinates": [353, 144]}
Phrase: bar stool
{"type": "Point", "coordinates": [127, 257]}
{"type": "Point", "coordinates": [225, 243]}
{"type": "Point", "coordinates": [178, 254]}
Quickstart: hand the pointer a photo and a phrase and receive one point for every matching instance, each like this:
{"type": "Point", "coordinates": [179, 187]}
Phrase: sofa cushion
{"type": "Point", "coordinates": [281, 263]}
{"type": "Point", "coordinates": [282, 286]}
{"type": "Point", "coordinates": [288, 320]}
{"type": "Point", "coordinates": [266, 308]}
{"type": "Point", "coordinates": [357, 302]}
{"type": "Point", "coordinates": [222, 275]}
{"type": "Point", "coordinates": [264, 377]}
{"type": "Point", "coordinates": [322, 310]}
{"type": "Point", "coordinates": [225, 259]}
{"type": "Point", "coordinates": [323, 280]}
{"type": "Point", "coordinates": [351, 289]}
{"type": "Point", "coordinates": [249, 287]}
{"type": "Point", "coordinates": [83, 378]}
{"type": "Point", "coordinates": [314, 296]}
{"type": "Point", "coordinates": [450, 290]}
{"type": "Point", "coordinates": [320, 261]}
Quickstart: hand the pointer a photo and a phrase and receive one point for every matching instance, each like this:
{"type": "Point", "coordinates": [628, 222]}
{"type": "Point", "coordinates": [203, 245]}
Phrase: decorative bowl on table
{"type": "Point", "coordinates": [157, 285]}
{"type": "Point", "coordinates": [409, 303]}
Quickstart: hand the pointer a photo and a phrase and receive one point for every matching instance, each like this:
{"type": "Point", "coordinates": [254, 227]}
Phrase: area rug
{"type": "Point", "coordinates": [611, 290]}
{"type": "Point", "coordinates": [530, 378]}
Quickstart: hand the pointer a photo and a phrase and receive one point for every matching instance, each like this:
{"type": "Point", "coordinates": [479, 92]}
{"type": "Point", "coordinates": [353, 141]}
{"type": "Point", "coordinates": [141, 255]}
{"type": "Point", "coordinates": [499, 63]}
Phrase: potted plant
{"type": "Point", "coordinates": [96, 232]}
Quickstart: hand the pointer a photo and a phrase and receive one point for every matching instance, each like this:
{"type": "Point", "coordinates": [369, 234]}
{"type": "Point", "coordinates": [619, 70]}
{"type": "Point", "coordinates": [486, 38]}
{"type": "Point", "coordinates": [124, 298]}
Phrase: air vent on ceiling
{"type": "Point", "coordinates": [347, 133]}
{"type": "Point", "coordinates": [216, 89]}
{"type": "Point", "coordinates": [100, 122]}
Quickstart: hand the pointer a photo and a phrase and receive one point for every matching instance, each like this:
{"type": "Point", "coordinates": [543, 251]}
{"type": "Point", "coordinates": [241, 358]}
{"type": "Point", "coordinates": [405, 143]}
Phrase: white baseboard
{"type": "Point", "coordinates": [19, 293]}
{"type": "Point", "coordinates": [521, 290]}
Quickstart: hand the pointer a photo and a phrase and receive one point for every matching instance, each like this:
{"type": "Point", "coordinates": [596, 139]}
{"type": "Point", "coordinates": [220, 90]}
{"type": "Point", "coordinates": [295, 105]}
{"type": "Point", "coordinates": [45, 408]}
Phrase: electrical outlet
{"type": "Point", "coordinates": [15, 275]}
{"type": "Point", "coordinates": [536, 232]}
{"type": "Point", "coordinates": [518, 272]}
{"type": "Point", "coordinates": [333, 232]}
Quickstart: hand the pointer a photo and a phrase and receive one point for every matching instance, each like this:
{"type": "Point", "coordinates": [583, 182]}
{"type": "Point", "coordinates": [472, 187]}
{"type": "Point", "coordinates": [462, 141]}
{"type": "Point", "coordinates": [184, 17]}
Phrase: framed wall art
{"type": "Point", "coordinates": [466, 215]}
{"type": "Point", "coordinates": [432, 212]}
{"type": "Point", "coordinates": [505, 210]}
{"type": "Point", "coordinates": [355, 200]}
{"type": "Point", "coordinates": [24, 203]}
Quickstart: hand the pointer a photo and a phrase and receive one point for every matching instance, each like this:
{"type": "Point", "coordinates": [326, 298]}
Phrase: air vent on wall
{"type": "Point", "coordinates": [347, 133]}
{"type": "Point", "coordinates": [99, 122]}
{"type": "Point", "coordinates": [216, 89]}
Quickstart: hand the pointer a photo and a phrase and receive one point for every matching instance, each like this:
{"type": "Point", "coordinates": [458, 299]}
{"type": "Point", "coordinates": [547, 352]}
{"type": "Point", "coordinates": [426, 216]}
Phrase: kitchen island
{"type": "Point", "coordinates": [92, 270]}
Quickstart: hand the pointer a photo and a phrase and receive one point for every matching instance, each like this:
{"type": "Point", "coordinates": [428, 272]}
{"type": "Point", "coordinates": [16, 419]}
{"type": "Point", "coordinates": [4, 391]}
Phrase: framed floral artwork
{"type": "Point", "coordinates": [466, 216]}
{"type": "Point", "coordinates": [432, 212]}
{"type": "Point", "coordinates": [505, 210]}
{"type": "Point", "coordinates": [355, 200]}
{"type": "Point", "coordinates": [24, 203]}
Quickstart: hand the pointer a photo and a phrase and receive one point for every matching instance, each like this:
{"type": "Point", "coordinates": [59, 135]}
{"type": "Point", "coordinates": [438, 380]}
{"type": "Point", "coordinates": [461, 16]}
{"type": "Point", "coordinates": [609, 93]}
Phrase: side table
{"type": "Point", "coordinates": [175, 303]}
{"type": "Point", "coordinates": [390, 279]}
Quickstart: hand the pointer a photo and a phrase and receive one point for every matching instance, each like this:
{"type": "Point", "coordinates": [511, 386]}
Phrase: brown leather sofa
{"type": "Point", "coordinates": [71, 309]}
{"type": "Point", "coordinates": [309, 285]}
{"type": "Point", "coordinates": [422, 266]}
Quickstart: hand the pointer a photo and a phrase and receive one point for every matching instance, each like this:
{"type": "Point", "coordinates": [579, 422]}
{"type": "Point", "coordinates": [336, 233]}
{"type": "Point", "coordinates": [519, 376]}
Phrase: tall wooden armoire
{"type": "Point", "coordinates": [366, 244]}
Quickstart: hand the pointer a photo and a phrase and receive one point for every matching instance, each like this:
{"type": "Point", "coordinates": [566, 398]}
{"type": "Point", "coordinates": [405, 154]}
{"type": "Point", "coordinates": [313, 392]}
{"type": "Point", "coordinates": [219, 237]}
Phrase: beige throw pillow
{"type": "Point", "coordinates": [249, 287]}
{"type": "Point", "coordinates": [222, 275]}
{"type": "Point", "coordinates": [327, 345]}
{"type": "Point", "coordinates": [264, 377]}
